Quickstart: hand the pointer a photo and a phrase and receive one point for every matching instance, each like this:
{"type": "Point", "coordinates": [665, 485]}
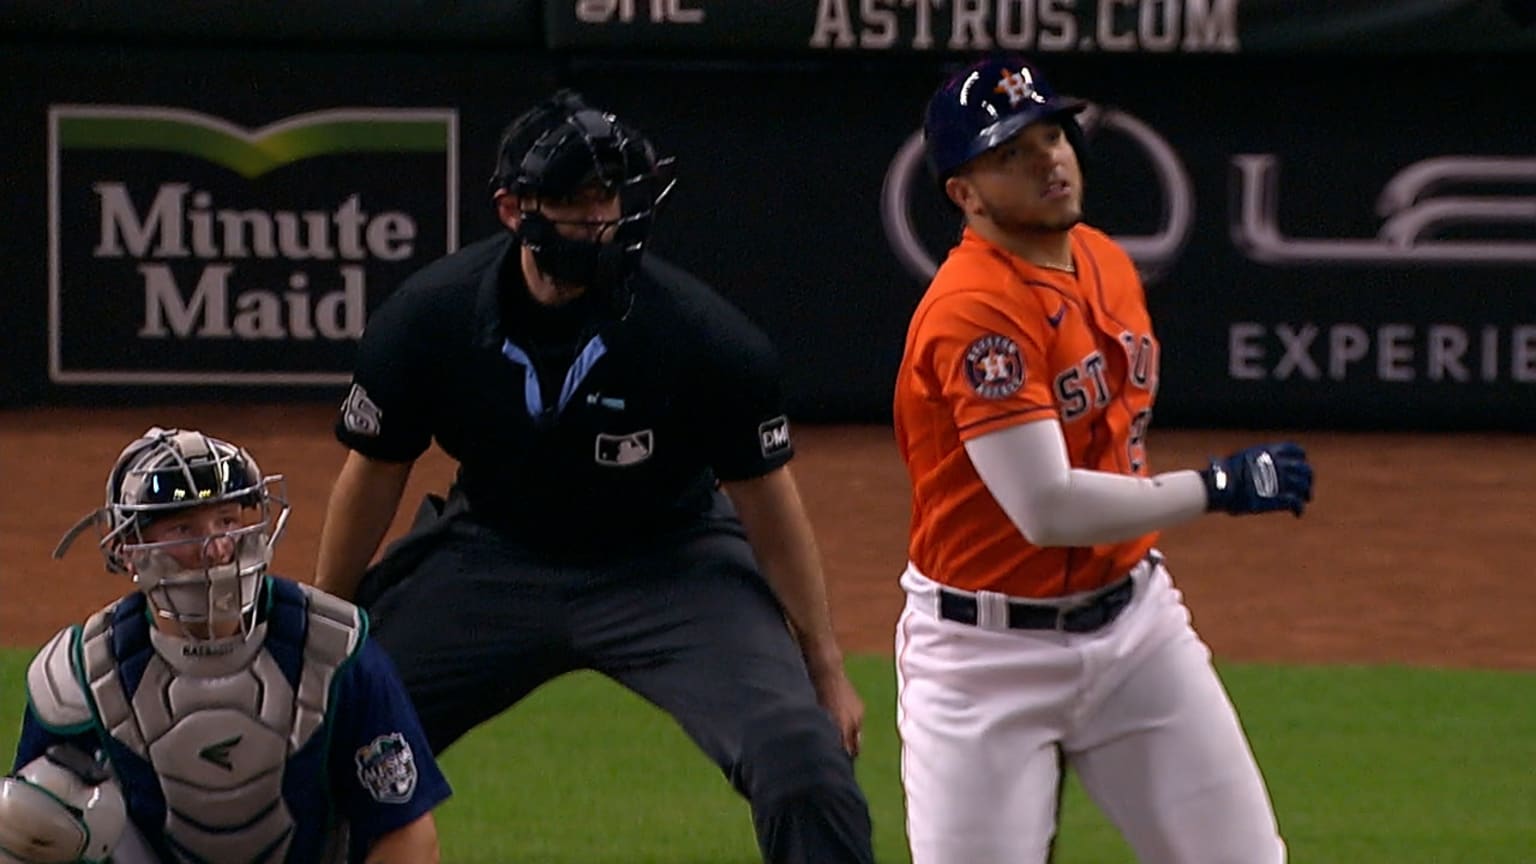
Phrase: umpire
{"type": "Point", "coordinates": [621, 437]}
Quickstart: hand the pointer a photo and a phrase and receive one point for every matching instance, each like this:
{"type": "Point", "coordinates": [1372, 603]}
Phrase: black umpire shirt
{"type": "Point", "coordinates": [624, 437]}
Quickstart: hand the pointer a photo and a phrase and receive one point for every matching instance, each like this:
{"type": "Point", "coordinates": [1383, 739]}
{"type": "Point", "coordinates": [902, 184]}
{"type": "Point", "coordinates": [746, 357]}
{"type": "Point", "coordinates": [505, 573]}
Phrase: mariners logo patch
{"type": "Point", "coordinates": [994, 367]}
{"type": "Point", "coordinates": [387, 769]}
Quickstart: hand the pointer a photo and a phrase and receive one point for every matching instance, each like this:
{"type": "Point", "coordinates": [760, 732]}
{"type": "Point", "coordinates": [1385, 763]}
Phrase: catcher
{"type": "Point", "coordinates": [217, 713]}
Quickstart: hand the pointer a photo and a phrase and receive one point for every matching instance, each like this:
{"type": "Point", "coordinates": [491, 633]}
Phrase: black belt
{"type": "Point", "coordinates": [1095, 612]}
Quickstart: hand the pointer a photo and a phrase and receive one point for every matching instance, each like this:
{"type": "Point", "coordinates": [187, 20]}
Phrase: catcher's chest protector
{"type": "Point", "coordinates": [219, 731]}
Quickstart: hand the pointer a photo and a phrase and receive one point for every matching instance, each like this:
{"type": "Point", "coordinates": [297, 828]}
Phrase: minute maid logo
{"type": "Point", "coordinates": [184, 249]}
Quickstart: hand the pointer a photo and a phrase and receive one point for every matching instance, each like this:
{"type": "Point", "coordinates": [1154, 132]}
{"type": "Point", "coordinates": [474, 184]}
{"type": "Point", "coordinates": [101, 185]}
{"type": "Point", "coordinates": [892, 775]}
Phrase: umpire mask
{"type": "Point", "coordinates": [583, 148]}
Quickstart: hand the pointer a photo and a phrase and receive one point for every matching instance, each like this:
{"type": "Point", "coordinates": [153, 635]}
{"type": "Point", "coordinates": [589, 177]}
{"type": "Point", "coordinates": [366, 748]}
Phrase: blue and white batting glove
{"type": "Point", "coordinates": [1259, 479]}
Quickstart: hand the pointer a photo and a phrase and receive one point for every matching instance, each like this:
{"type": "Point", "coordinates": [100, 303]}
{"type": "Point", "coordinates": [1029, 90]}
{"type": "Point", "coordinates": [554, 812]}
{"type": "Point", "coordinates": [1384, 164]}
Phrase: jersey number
{"type": "Point", "coordinates": [1136, 441]}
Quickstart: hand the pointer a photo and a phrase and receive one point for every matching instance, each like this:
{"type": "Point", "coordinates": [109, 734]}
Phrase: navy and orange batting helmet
{"type": "Point", "coordinates": [984, 105]}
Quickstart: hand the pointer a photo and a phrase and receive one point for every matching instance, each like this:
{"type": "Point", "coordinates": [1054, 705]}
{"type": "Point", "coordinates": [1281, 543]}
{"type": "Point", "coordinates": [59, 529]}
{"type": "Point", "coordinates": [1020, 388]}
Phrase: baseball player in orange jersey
{"type": "Point", "coordinates": [1041, 631]}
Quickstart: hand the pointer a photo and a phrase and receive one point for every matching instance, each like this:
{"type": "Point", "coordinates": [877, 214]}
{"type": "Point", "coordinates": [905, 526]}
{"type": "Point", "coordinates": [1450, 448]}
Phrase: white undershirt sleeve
{"type": "Point", "coordinates": [1026, 469]}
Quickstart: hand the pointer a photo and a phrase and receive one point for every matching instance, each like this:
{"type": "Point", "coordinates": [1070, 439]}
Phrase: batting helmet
{"type": "Point", "coordinates": [984, 105]}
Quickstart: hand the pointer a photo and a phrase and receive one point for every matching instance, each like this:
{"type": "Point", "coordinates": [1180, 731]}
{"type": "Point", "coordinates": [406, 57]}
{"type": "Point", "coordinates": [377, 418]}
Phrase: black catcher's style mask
{"type": "Point", "coordinates": [562, 146]}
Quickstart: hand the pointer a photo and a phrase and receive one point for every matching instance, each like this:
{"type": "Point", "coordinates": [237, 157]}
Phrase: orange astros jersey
{"type": "Point", "coordinates": [997, 341]}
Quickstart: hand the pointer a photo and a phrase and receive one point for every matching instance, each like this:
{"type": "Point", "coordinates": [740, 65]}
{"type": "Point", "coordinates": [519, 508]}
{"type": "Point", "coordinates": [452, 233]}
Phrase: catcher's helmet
{"type": "Point", "coordinates": [984, 105]}
{"type": "Point", "coordinates": [563, 145]}
{"type": "Point", "coordinates": [168, 471]}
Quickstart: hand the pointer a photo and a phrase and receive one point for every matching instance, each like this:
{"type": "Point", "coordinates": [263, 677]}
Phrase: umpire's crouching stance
{"type": "Point", "coordinates": [596, 402]}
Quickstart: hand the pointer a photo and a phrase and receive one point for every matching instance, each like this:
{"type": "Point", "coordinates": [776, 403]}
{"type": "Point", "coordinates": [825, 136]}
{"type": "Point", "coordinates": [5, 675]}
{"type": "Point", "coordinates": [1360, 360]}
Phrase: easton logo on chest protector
{"type": "Point", "coordinates": [219, 752]}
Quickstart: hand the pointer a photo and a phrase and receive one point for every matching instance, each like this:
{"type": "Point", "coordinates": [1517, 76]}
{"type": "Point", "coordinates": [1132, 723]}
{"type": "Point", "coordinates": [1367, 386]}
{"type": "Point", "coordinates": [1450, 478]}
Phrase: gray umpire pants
{"type": "Point", "coordinates": [480, 621]}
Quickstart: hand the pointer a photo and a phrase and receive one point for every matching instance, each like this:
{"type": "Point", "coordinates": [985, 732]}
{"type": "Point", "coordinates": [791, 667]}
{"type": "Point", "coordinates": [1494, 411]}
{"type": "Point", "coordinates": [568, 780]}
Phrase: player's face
{"type": "Point", "coordinates": [590, 214]}
{"type": "Point", "coordinates": [197, 539]}
{"type": "Point", "coordinates": [1031, 183]}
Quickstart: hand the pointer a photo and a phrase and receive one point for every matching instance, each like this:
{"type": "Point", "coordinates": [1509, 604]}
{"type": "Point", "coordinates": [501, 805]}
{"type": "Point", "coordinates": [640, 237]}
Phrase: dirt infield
{"type": "Point", "coordinates": [1416, 551]}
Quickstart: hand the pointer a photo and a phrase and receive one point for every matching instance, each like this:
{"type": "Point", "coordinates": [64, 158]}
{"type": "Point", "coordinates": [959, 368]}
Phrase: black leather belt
{"type": "Point", "coordinates": [1095, 612]}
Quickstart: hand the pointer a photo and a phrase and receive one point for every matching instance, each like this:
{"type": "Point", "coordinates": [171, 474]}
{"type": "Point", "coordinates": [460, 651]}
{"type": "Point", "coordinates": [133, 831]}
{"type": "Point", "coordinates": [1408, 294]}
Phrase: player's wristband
{"type": "Point", "coordinates": [1218, 486]}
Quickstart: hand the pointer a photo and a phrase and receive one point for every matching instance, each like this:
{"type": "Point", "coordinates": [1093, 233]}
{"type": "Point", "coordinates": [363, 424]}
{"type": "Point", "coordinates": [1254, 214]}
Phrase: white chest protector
{"type": "Point", "coordinates": [217, 728]}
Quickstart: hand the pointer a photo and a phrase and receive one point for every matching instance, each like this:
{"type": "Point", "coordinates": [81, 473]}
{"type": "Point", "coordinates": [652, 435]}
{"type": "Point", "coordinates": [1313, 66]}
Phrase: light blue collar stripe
{"type": "Point", "coordinates": [532, 399]}
{"type": "Point", "coordinates": [578, 372]}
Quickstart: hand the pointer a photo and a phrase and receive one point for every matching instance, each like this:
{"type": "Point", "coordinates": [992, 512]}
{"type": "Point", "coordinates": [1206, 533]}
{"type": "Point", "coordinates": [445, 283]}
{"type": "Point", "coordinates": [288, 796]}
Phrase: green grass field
{"type": "Point", "coordinates": [1366, 765]}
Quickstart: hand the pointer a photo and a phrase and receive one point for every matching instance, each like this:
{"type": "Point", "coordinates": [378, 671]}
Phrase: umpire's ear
{"type": "Point", "coordinates": [508, 209]}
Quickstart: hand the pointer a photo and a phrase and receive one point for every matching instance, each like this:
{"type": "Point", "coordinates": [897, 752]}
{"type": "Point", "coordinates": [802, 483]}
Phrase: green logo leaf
{"type": "Point", "coordinates": [253, 153]}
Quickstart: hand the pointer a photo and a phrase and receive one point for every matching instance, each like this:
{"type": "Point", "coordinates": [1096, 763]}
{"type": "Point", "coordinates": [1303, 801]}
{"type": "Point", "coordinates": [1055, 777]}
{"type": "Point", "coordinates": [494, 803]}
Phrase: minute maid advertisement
{"type": "Point", "coordinates": [185, 249]}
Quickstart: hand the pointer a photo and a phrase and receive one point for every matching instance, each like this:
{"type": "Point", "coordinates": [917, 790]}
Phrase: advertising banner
{"type": "Point", "coordinates": [213, 222]}
{"type": "Point", "coordinates": [780, 28]}
{"type": "Point", "coordinates": [509, 23]}
{"type": "Point", "coordinates": [1322, 243]}
{"type": "Point", "coordinates": [1159, 27]}
{"type": "Point", "coordinates": [1342, 242]}
{"type": "Point", "coordinates": [187, 250]}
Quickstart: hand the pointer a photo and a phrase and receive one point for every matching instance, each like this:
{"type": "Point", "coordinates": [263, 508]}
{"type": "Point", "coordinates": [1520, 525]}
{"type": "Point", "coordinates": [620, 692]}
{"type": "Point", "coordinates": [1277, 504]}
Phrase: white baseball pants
{"type": "Point", "coordinates": [987, 717]}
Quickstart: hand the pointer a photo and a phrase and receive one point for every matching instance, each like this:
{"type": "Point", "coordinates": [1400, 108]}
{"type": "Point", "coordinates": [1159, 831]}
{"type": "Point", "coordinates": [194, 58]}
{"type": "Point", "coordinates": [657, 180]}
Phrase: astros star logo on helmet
{"type": "Point", "coordinates": [1019, 86]}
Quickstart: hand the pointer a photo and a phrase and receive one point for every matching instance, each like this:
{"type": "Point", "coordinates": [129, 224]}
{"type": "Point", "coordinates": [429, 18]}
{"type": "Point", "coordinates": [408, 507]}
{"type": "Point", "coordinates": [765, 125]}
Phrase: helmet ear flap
{"type": "Point", "coordinates": [1075, 136]}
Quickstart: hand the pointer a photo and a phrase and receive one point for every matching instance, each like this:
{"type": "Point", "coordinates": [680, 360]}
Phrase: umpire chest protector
{"type": "Point", "coordinates": [227, 741]}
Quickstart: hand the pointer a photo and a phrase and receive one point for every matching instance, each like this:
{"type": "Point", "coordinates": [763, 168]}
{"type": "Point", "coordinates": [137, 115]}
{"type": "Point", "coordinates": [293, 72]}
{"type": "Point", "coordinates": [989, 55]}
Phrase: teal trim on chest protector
{"type": "Point", "coordinates": [76, 669]}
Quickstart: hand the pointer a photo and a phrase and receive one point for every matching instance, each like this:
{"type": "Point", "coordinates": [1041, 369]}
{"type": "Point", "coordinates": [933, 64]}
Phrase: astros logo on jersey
{"type": "Point", "coordinates": [993, 366]}
{"type": "Point", "coordinates": [1019, 86]}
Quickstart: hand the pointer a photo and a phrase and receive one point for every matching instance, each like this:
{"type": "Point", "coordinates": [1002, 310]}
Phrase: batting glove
{"type": "Point", "coordinates": [1259, 479]}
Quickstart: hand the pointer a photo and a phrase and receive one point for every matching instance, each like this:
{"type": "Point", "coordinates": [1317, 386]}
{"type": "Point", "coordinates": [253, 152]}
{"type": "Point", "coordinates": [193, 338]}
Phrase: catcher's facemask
{"type": "Point", "coordinates": [195, 522]}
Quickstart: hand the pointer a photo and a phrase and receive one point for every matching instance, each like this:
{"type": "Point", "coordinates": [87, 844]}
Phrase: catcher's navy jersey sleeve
{"type": "Point", "coordinates": [37, 738]}
{"type": "Point", "coordinates": [385, 415]}
{"type": "Point", "coordinates": [383, 774]}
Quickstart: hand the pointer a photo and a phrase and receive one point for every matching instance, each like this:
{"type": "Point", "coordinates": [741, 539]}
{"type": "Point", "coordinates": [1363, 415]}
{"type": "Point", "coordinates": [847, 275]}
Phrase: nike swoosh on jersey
{"type": "Point", "coordinates": [1055, 320]}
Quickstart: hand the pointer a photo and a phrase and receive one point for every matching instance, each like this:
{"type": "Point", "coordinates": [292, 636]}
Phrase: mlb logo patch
{"type": "Point", "coordinates": [622, 451]}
